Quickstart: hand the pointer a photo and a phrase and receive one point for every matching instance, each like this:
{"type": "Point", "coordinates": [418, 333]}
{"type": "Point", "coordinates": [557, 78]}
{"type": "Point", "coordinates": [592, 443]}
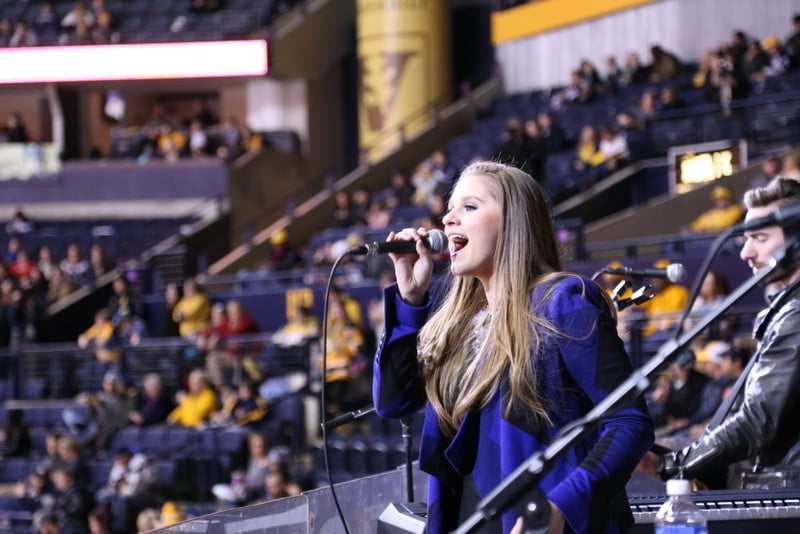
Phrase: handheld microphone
{"type": "Point", "coordinates": [785, 217]}
{"type": "Point", "coordinates": [436, 242]}
{"type": "Point", "coordinates": [674, 272]}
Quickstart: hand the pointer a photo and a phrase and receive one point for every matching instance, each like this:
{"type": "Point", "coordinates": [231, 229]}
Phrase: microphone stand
{"type": "Point", "coordinates": [407, 440]}
{"type": "Point", "coordinates": [511, 490]}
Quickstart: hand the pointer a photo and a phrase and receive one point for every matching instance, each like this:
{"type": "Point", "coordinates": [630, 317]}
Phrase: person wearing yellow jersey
{"type": "Point", "coordinates": [100, 336]}
{"type": "Point", "coordinates": [664, 309]}
{"type": "Point", "coordinates": [344, 344]}
{"type": "Point", "coordinates": [193, 311]}
{"type": "Point", "coordinates": [196, 405]}
{"type": "Point", "coordinates": [725, 213]}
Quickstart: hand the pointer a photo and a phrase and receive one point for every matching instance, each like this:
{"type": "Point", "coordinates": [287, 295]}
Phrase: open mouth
{"type": "Point", "coordinates": [457, 242]}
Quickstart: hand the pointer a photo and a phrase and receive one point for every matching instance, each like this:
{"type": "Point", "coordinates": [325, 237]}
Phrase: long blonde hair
{"type": "Point", "coordinates": [525, 255]}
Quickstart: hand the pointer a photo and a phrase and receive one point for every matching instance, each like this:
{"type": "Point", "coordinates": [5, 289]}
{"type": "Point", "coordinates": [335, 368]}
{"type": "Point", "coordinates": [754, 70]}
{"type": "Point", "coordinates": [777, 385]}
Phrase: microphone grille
{"type": "Point", "coordinates": [437, 241]}
{"type": "Point", "coordinates": [676, 272]}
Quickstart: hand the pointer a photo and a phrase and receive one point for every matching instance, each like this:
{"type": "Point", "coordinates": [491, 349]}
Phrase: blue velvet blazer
{"type": "Point", "coordinates": [575, 371]}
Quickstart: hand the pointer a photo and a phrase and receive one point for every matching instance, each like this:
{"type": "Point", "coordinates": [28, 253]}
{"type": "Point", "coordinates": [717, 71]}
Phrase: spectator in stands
{"type": "Point", "coordinates": [29, 318]}
{"type": "Point", "coordinates": [171, 513]}
{"type": "Point", "coordinates": [669, 99]}
{"type": "Point", "coordinates": [34, 491]}
{"type": "Point", "coordinates": [344, 343]}
{"type": "Point", "coordinates": [147, 520]}
{"type": "Point", "coordinates": [5, 31]}
{"type": "Point", "coordinates": [283, 256]}
{"type": "Point", "coordinates": [513, 149]}
{"type": "Point", "coordinates": [587, 154]}
{"type": "Point", "coordinates": [79, 18]}
{"type": "Point", "coordinates": [192, 311]}
{"type": "Point", "coordinates": [109, 408]}
{"type": "Point", "coordinates": [169, 326]}
{"type": "Point", "coordinates": [379, 215]}
{"type": "Point", "coordinates": [21, 268]}
{"type": "Point", "coordinates": [301, 326]}
{"type": "Point", "coordinates": [754, 61]}
{"type": "Point", "coordinates": [635, 72]}
{"type": "Point", "coordinates": [535, 150]}
{"type": "Point", "coordinates": [778, 61]}
{"type": "Point", "coordinates": [103, 32]}
{"type": "Point", "coordinates": [74, 267]}
{"type": "Point", "coordinates": [713, 290]}
{"type": "Point", "coordinates": [23, 35]}
{"type": "Point", "coordinates": [341, 210]}
{"type": "Point", "coordinates": [70, 455]}
{"type": "Point", "coordinates": [424, 182]}
{"type": "Point", "coordinates": [359, 205]}
{"type": "Point", "coordinates": [712, 394]}
{"type": "Point", "coordinates": [554, 137]}
{"type": "Point", "coordinates": [793, 41]}
{"type": "Point", "coordinates": [101, 338]}
{"type": "Point", "coordinates": [198, 139]}
{"type": "Point", "coordinates": [172, 142]}
{"type": "Point", "coordinates": [99, 264]}
{"type": "Point", "coordinates": [45, 24]}
{"type": "Point", "coordinates": [196, 404]}
{"type": "Point", "coordinates": [237, 323]}
{"type": "Point", "coordinates": [231, 145]}
{"type": "Point", "coordinates": [14, 439]}
{"type": "Point", "coordinates": [277, 485]}
{"type": "Point", "coordinates": [19, 224]}
{"type": "Point", "coordinates": [259, 461]}
{"type": "Point", "coordinates": [154, 404]}
{"type": "Point", "coordinates": [444, 171]}
{"type": "Point", "coordinates": [73, 501]}
{"type": "Point", "coordinates": [46, 262]}
{"type": "Point", "coordinates": [678, 393]}
{"type": "Point", "coordinates": [631, 131]}
{"type": "Point", "coordinates": [129, 487]}
{"type": "Point", "coordinates": [122, 301]}
{"type": "Point", "coordinates": [662, 310]}
{"type": "Point", "coordinates": [614, 148]}
{"type": "Point", "coordinates": [646, 107]}
{"type": "Point", "coordinates": [51, 456]}
{"type": "Point", "coordinates": [770, 169]}
{"type": "Point", "coordinates": [17, 132]}
{"type": "Point", "coordinates": [240, 406]}
{"type": "Point", "coordinates": [613, 76]}
{"type": "Point", "coordinates": [10, 255]}
{"type": "Point", "coordinates": [725, 212]}
{"type": "Point", "coordinates": [59, 286]}
{"type": "Point", "coordinates": [400, 192]}
{"type": "Point", "coordinates": [664, 65]}
{"type": "Point", "coordinates": [577, 91]}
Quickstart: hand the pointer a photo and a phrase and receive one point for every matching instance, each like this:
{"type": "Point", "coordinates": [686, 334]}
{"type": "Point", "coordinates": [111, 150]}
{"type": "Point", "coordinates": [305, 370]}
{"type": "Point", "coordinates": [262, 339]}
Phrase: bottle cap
{"type": "Point", "coordinates": [679, 486]}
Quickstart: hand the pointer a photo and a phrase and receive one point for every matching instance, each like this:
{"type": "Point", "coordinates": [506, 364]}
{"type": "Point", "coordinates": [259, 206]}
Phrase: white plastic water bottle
{"type": "Point", "coordinates": [679, 515]}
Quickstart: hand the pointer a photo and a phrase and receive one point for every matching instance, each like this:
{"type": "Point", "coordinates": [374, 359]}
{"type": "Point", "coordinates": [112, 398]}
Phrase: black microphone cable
{"type": "Point", "coordinates": [322, 399]}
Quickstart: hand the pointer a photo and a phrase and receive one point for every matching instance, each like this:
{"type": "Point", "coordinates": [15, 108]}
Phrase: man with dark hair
{"type": "Point", "coordinates": [764, 429]}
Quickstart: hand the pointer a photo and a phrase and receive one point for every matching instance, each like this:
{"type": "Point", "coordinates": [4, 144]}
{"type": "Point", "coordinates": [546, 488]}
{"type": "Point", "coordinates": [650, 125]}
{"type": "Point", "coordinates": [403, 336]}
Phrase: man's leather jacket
{"type": "Point", "coordinates": [767, 423]}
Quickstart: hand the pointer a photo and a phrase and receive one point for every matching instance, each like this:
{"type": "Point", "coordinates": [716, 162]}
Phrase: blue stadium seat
{"type": "Point", "coordinates": [14, 469]}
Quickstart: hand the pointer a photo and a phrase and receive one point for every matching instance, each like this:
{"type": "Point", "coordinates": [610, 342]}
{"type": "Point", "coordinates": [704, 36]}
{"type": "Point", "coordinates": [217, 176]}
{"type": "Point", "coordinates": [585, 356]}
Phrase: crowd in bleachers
{"type": "Point", "coordinates": [185, 442]}
{"type": "Point", "coordinates": [81, 22]}
{"type": "Point", "coordinates": [570, 137]}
